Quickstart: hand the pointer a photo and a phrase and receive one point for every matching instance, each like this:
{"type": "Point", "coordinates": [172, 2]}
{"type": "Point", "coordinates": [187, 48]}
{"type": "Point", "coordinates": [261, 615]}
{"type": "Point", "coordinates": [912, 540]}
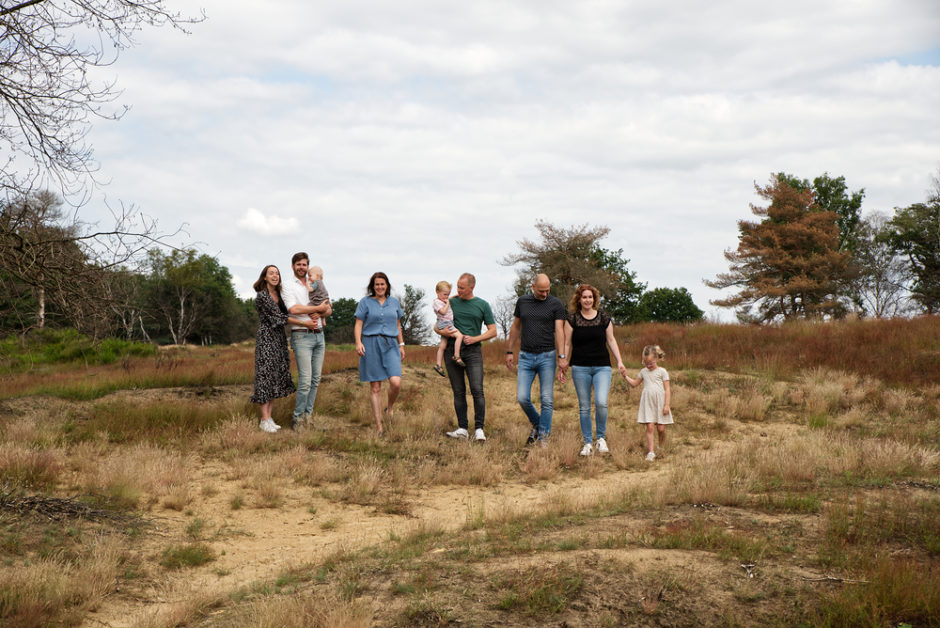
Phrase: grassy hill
{"type": "Point", "coordinates": [799, 486]}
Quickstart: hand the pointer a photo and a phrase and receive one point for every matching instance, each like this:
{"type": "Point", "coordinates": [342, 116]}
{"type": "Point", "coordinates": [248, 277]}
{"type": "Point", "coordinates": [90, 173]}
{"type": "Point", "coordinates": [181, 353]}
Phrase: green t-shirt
{"type": "Point", "coordinates": [471, 315]}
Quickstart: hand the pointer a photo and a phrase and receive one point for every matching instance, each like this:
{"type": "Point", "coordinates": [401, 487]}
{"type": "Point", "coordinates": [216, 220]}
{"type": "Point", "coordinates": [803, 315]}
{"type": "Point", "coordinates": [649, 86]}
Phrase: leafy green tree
{"type": "Point", "coordinates": [571, 256]}
{"type": "Point", "coordinates": [788, 264]}
{"type": "Point", "coordinates": [668, 305]}
{"type": "Point", "coordinates": [244, 322]}
{"type": "Point", "coordinates": [831, 194]}
{"type": "Point", "coordinates": [340, 324]}
{"type": "Point", "coordinates": [914, 233]}
{"type": "Point", "coordinates": [622, 304]}
{"type": "Point", "coordinates": [191, 299]}
{"type": "Point", "coordinates": [414, 327]}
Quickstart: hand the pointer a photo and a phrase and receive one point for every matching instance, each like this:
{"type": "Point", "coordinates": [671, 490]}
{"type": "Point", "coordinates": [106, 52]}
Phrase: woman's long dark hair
{"type": "Point", "coordinates": [262, 285]}
{"type": "Point", "coordinates": [370, 289]}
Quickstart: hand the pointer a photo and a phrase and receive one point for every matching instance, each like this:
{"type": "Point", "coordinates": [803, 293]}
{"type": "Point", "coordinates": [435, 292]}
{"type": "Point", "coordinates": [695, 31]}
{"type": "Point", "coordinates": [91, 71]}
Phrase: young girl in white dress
{"type": "Point", "coordinates": [654, 401]}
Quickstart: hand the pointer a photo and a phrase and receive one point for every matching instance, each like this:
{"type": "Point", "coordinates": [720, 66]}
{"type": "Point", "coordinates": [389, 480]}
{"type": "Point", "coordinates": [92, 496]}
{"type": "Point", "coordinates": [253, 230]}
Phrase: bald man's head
{"type": "Point", "coordinates": [541, 286]}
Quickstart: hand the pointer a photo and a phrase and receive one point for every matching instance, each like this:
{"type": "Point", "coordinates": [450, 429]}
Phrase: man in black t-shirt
{"type": "Point", "coordinates": [538, 330]}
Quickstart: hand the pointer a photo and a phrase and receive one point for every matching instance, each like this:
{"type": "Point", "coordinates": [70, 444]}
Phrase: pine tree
{"type": "Point", "coordinates": [788, 264]}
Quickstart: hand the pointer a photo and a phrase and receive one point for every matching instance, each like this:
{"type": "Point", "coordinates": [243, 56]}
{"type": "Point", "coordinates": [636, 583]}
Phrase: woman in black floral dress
{"type": "Point", "coordinates": [272, 361]}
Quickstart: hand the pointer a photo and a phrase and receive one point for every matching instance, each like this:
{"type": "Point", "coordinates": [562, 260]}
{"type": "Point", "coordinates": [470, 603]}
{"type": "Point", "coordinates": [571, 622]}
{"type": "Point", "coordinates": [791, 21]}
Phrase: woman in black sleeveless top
{"type": "Point", "coordinates": [588, 335]}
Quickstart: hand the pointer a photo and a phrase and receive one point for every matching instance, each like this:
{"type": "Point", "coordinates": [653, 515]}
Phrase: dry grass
{"type": "Point", "coordinates": [268, 495]}
{"type": "Point", "coordinates": [30, 467]}
{"type": "Point", "coordinates": [237, 436]}
{"type": "Point", "coordinates": [867, 348]}
{"type": "Point", "coordinates": [746, 405]}
{"type": "Point", "coordinates": [174, 367]}
{"type": "Point", "coordinates": [186, 613]}
{"type": "Point", "coordinates": [307, 610]}
{"type": "Point", "coordinates": [729, 476]}
{"type": "Point", "coordinates": [121, 477]}
{"type": "Point", "coordinates": [824, 464]}
{"type": "Point", "coordinates": [53, 589]}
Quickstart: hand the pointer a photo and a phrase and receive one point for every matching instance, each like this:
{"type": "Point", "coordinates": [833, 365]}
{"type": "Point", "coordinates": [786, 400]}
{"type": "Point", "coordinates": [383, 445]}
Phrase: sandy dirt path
{"type": "Point", "coordinates": [260, 544]}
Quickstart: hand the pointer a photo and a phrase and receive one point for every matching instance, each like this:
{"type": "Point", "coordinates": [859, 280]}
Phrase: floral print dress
{"type": "Point", "coordinates": [272, 360]}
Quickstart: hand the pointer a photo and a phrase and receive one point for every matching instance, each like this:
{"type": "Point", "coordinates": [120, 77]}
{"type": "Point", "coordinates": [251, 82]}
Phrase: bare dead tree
{"type": "Point", "coordinates": [503, 310]}
{"type": "Point", "coordinates": [569, 256]}
{"type": "Point", "coordinates": [881, 283]}
{"type": "Point", "coordinates": [48, 98]}
{"type": "Point", "coordinates": [69, 264]}
{"type": "Point", "coordinates": [48, 102]}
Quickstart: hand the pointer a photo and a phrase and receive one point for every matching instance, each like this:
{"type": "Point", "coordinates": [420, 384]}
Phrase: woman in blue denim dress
{"type": "Point", "coordinates": [380, 345]}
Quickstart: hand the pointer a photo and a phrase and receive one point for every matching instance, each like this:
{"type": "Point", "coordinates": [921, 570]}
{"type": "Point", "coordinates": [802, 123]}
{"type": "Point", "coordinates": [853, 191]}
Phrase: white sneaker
{"type": "Point", "coordinates": [586, 450]}
{"type": "Point", "coordinates": [650, 457]}
{"type": "Point", "coordinates": [459, 433]}
{"type": "Point", "coordinates": [601, 445]}
{"type": "Point", "coordinates": [267, 426]}
{"type": "Point", "coordinates": [478, 435]}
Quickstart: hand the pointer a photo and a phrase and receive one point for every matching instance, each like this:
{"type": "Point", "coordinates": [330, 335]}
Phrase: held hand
{"type": "Point", "coordinates": [563, 365]}
{"type": "Point", "coordinates": [360, 349]}
{"type": "Point", "coordinates": [561, 376]}
{"type": "Point", "coordinates": [622, 369]}
{"type": "Point", "coordinates": [509, 361]}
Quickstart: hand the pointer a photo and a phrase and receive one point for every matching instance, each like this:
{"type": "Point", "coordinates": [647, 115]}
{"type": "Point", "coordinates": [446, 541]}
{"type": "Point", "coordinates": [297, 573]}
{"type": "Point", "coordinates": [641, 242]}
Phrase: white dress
{"type": "Point", "coordinates": [654, 396]}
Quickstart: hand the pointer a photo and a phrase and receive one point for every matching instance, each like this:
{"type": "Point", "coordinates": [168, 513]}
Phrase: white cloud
{"type": "Point", "coordinates": [431, 136]}
{"type": "Point", "coordinates": [256, 222]}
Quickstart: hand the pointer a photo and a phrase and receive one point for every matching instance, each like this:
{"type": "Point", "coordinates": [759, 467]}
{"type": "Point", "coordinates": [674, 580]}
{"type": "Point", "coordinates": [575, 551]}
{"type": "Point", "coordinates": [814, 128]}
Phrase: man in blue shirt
{"type": "Point", "coordinates": [538, 329]}
{"type": "Point", "coordinates": [470, 315]}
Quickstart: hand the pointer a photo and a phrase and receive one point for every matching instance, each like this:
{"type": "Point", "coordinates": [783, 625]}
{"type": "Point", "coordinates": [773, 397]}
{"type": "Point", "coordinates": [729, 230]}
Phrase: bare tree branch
{"type": "Point", "coordinates": [48, 98]}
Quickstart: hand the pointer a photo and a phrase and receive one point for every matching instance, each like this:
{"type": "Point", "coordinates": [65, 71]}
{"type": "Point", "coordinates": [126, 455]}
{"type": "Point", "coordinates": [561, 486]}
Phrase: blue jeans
{"type": "Point", "coordinates": [309, 350]}
{"type": "Point", "coordinates": [584, 377]}
{"type": "Point", "coordinates": [543, 365]}
{"type": "Point", "coordinates": [472, 356]}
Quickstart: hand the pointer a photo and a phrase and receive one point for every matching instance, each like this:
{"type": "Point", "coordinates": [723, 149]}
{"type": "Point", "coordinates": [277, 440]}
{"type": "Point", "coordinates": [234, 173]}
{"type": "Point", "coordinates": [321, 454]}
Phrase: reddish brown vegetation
{"type": "Point", "coordinates": [904, 352]}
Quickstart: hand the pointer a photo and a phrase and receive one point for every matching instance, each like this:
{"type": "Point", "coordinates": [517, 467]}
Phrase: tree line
{"type": "Point", "coordinates": [52, 277]}
{"type": "Point", "coordinates": [812, 255]}
{"type": "Point", "coordinates": [573, 255]}
{"type": "Point", "coordinates": [809, 254]}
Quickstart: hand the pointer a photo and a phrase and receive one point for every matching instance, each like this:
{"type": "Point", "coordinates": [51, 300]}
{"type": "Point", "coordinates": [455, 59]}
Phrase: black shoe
{"type": "Point", "coordinates": [533, 435]}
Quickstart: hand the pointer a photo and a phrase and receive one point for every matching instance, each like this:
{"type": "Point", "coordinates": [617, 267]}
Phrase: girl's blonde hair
{"type": "Point", "coordinates": [442, 285]}
{"type": "Point", "coordinates": [655, 351]}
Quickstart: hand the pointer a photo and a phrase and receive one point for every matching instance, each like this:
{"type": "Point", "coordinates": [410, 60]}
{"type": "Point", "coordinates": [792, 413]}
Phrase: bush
{"type": "Point", "coordinates": [57, 346]}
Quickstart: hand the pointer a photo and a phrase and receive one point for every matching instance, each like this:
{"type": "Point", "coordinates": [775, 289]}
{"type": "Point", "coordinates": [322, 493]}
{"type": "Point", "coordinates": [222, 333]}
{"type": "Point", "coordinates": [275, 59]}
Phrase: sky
{"type": "Point", "coordinates": [426, 138]}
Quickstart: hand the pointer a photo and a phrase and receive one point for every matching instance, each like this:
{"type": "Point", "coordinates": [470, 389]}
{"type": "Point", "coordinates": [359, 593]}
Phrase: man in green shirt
{"type": "Point", "coordinates": [471, 314]}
